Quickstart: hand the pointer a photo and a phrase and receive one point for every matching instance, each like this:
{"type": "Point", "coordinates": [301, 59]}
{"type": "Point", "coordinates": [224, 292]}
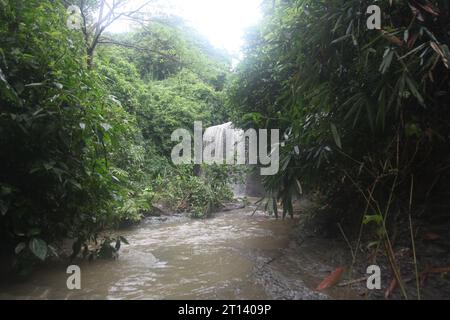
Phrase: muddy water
{"type": "Point", "coordinates": [186, 259]}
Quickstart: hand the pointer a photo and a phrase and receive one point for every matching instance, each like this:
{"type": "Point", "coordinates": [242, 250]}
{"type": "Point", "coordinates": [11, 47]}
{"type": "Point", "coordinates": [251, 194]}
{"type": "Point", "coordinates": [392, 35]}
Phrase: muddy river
{"type": "Point", "coordinates": [232, 256]}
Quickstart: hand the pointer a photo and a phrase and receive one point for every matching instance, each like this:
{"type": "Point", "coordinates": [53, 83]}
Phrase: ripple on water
{"type": "Point", "coordinates": [200, 259]}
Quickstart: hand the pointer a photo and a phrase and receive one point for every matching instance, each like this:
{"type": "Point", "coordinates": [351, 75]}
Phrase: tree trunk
{"type": "Point", "coordinates": [90, 58]}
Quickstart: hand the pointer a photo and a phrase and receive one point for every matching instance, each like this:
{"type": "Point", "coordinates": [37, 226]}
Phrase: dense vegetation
{"type": "Point", "coordinates": [365, 112]}
{"type": "Point", "coordinates": [86, 117]}
{"type": "Point", "coordinates": [85, 134]}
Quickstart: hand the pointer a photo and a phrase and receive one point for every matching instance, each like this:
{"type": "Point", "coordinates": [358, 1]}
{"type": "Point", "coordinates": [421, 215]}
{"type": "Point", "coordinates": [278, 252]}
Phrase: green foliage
{"type": "Point", "coordinates": [178, 83]}
{"type": "Point", "coordinates": [134, 207]}
{"type": "Point", "coordinates": [57, 124]}
{"type": "Point", "coordinates": [91, 249]}
{"type": "Point", "coordinates": [108, 249]}
{"type": "Point", "coordinates": [199, 196]}
{"type": "Point", "coordinates": [361, 109]}
{"type": "Point", "coordinates": [161, 50]}
{"type": "Point", "coordinates": [84, 146]}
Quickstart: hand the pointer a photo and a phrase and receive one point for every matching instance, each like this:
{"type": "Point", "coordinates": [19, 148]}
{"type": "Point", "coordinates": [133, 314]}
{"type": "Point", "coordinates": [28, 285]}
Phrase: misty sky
{"type": "Point", "coordinates": [223, 22]}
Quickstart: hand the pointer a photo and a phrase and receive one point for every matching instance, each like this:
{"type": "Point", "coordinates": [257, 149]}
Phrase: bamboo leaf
{"type": "Point", "coordinates": [337, 138]}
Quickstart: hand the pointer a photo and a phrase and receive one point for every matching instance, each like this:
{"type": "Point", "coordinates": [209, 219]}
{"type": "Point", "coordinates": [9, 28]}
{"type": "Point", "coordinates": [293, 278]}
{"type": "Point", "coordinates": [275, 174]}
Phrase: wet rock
{"type": "Point", "coordinates": [126, 224]}
{"type": "Point", "coordinates": [232, 206]}
{"type": "Point", "coordinates": [281, 287]}
{"type": "Point", "coordinates": [159, 209]}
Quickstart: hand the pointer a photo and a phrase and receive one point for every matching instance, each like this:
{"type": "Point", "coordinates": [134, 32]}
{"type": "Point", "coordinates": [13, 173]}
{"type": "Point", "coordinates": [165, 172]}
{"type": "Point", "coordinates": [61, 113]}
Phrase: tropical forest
{"type": "Point", "coordinates": [110, 109]}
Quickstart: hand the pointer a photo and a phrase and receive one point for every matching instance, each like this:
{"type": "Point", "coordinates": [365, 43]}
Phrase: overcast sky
{"type": "Point", "coordinates": [223, 22]}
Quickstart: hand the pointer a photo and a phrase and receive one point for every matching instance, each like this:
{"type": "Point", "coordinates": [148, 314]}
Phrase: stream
{"type": "Point", "coordinates": [232, 256]}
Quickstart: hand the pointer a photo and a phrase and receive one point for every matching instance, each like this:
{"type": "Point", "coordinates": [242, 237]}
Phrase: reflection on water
{"type": "Point", "coordinates": [210, 259]}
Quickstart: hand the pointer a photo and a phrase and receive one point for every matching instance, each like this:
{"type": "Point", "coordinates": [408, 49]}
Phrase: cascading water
{"type": "Point", "coordinates": [216, 139]}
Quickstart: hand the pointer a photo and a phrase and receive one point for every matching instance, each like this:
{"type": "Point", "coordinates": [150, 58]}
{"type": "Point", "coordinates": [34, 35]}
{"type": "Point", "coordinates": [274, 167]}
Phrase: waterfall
{"type": "Point", "coordinates": [215, 138]}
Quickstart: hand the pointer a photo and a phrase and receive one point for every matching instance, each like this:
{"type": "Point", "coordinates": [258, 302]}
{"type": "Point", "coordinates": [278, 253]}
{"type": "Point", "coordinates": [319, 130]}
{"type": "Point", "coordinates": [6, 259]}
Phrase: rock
{"type": "Point", "coordinates": [126, 224]}
{"type": "Point", "coordinates": [155, 213]}
{"type": "Point", "coordinates": [160, 209]}
{"type": "Point", "coordinates": [232, 206]}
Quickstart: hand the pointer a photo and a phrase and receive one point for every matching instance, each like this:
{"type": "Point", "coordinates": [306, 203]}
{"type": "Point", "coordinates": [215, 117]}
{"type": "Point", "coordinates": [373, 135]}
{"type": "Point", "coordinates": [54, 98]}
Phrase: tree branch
{"type": "Point", "coordinates": [135, 47]}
